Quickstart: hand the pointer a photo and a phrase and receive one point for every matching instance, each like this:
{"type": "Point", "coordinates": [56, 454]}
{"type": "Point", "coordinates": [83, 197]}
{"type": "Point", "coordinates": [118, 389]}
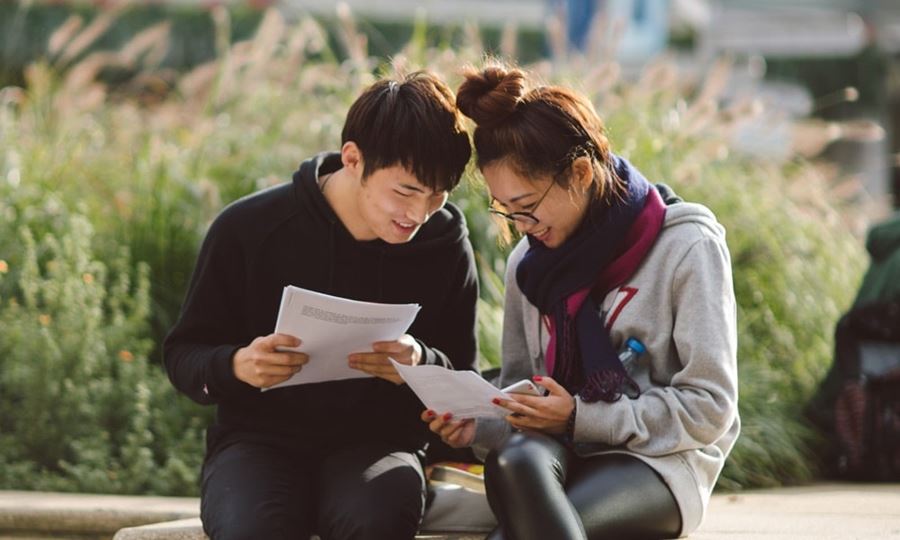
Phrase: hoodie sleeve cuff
{"type": "Point", "coordinates": [432, 357]}
{"type": "Point", "coordinates": [490, 434]}
{"type": "Point", "coordinates": [221, 382]}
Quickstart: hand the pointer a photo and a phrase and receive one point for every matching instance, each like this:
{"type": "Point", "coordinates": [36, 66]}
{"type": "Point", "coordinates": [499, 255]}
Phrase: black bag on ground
{"type": "Point", "coordinates": [866, 410]}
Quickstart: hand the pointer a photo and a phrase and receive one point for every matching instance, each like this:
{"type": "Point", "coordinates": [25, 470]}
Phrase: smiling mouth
{"type": "Point", "coordinates": [541, 234]}
{"type": "Point", "coordinates": [405, 226]}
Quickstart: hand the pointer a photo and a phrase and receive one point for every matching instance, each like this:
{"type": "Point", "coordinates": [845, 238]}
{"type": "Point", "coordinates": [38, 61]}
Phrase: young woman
{"type": "Point", "coordinates": [608, 452]}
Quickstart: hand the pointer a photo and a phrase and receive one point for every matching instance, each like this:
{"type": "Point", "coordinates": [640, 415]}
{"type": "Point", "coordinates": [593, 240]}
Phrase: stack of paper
{"type": "Point", "coordinates": [331, 328]}
{"type": "Point", "coordinates": [462, 393]}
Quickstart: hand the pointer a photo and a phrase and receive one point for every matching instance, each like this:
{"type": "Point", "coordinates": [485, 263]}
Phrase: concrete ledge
{"type": "Point", "coordinates": [182, 529]}
{"type": "Point", "coordinates": [191, 529]}
{"type": "Point", "coordinates": [819, 512]}
{"type": "Point", "coordinates": [459, 512]}
{"type": "Point", "coordinates": [35, 514]}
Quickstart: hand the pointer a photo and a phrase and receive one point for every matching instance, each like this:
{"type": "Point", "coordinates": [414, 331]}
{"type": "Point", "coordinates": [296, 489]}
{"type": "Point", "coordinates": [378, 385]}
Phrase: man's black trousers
{"type": "Point", "coordinates": [370, 491]}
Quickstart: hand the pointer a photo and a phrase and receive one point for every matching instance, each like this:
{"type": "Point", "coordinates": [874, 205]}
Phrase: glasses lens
{"type": "Point", "coordinates": [527, 219]}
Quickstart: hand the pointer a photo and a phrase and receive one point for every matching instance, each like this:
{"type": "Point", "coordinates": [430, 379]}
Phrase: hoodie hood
{"type": "Point", "coordinates": [445, 228]}
{"type": "Point", "coordinates": [884, 239]}
{"type": "Point", "coordinates": [697, 214]}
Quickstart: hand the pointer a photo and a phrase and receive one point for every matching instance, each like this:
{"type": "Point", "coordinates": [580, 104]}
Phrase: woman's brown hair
{"type": "Point", "coordinates": [539, 131]}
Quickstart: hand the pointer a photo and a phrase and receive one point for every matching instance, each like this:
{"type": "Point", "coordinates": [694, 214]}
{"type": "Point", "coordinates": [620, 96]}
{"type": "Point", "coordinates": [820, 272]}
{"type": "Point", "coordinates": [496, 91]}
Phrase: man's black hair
{"type": "Point", "coordinates": [411, 122]}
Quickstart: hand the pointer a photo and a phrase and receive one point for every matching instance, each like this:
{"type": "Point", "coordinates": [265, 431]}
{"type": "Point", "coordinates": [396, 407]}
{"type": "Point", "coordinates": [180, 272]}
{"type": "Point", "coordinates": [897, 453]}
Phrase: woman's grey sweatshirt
{"type": "Point", "coordinates": [680, 304]}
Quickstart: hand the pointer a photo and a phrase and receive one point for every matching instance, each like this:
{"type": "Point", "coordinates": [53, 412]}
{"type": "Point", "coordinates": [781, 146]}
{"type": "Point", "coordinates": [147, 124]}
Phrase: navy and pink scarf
{"type": "Point", "coordinates": [566, 283]}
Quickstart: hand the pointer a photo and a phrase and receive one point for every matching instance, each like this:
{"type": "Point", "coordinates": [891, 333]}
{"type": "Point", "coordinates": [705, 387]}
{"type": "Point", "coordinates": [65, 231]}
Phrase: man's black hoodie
{"type": "Point", "coordinates": [289, 235]}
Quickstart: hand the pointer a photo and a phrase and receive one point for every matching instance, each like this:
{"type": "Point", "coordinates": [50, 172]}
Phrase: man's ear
{"type": "Point", "coordinates": [582, 173]}
{"type": "Point", "coordinates": [352, 159]}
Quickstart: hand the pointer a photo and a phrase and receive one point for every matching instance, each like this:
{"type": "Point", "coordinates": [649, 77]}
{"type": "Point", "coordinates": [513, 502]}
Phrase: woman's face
{"type": "Point", "coordinates": [559, 210]}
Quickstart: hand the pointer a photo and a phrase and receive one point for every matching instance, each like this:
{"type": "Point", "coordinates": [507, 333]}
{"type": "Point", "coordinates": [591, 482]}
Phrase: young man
{"type": "Point", "coordinates": [372, 223]}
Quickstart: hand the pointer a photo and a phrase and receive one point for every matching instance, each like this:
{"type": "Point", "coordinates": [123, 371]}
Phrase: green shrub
{"type": "Point", "coordinates": [796, 268]}
{"type": "Point", "coordinates": [82, 409]}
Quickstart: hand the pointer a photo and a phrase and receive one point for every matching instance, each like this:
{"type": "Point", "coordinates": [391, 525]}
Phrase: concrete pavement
{"type": "Point", "coordinates": [821, 512]}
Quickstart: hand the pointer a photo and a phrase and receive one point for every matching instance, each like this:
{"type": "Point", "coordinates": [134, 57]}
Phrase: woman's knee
{"type": "Point", "coordinates": [620, 496]}
{"type": "Point", "coordinates": [525, 454]}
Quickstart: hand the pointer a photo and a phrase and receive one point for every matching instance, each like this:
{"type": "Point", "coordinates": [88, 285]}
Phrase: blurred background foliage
{"type": "Point", "coordinates": [114, 158]}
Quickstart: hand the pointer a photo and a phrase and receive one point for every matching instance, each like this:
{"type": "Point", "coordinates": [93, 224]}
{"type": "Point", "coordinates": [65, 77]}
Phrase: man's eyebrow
{"type": "Point", "coordinates": [420, 190]}
{"type": "Point", "coordinates": [412, 188]}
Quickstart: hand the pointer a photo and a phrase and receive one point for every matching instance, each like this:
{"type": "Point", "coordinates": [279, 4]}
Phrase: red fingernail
{"type": "Point", "coordinates": [448, 416]}
{"type": "Point", "coordinates": [496, 401]}
{"type": "Point", "coordinates": [538, 378]}
{"type": "Point", "coordinates": [429, 413]}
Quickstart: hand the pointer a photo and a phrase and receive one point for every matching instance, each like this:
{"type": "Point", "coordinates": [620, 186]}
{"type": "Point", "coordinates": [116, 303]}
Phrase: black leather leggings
{"type": "Point", "coordinates": [539, 489]}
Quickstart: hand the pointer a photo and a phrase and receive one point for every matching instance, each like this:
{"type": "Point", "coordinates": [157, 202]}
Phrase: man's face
{"type": "Point", "coordinates": [394, 204]}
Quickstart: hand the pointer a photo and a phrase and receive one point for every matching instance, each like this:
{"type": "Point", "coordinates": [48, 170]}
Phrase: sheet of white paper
{"type": "Point", "coordinates": [331, 328]}
{"type": "Point", "coordinates": [463, 393]}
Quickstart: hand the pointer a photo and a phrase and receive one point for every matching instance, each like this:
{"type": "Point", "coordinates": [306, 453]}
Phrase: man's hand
{"type": "Point", "coordinates": [548, 414]}
{"type": "Point", "coordinates": [456, 433]}
{"type": "Point", "coordinates": [405, 350]}
{"type": "Point", "coordinates": [260, 365]}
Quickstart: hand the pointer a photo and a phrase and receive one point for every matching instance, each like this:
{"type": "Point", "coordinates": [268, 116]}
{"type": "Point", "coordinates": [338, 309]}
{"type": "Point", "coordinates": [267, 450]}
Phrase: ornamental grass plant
{"type": "Point", "coordinates": [106, 190]}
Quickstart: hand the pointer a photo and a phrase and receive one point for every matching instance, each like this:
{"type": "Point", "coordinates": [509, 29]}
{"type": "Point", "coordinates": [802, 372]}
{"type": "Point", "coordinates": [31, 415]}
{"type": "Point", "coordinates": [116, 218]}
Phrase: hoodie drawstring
{"type": "Point", "coordinates": [380, 275]}
{"type": "Point", "coordinates": [332, 255]}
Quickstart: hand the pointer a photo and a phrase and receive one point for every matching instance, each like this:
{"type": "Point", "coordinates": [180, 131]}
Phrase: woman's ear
{"type": "Point", "coordinates": [582, 173]}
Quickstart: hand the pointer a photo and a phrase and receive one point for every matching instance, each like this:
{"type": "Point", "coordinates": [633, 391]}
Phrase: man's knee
{"type": "Point", "coordinates": [252, 523]}
{"type": "Point", "coordinates": [376, 524]}
{"type": "Point", "coordinates": [386, 513]}
{"type": "Point", "coordinates": [246, 528]}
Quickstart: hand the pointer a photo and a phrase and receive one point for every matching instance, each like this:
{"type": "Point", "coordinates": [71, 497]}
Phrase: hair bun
{"type": "Point", "coordinates": [490, 95]}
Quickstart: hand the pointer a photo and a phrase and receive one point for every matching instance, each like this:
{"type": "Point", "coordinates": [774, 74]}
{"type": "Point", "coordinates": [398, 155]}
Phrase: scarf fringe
{"type": "Point", "coordinates": [568, 359]}
{"type": "Point", "coordinates": [608, 385]}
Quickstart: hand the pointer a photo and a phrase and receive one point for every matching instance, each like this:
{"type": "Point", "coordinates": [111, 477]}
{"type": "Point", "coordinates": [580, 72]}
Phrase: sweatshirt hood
{"type": "Point", "coordinates": [678, 212]}
{"type": "Point", "coordinates": [884, 239]}
{"type": "Point", "coordinates": [446, 227]}
{"type": "Point", "coordinates": [685, 212]}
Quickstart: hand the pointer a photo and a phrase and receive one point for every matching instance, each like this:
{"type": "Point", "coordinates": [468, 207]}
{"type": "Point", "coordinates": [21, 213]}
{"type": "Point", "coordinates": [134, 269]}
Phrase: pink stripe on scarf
{"type": "Point", "coordinates": [640, 238]}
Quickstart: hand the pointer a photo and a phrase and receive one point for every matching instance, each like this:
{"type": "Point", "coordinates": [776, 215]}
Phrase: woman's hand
{"type": "Point", "coordinates": [548, 414]}
{"type": "Point", "coordinates": [456, 433]}
{"type": "Point", "coordinates": [405, 350]}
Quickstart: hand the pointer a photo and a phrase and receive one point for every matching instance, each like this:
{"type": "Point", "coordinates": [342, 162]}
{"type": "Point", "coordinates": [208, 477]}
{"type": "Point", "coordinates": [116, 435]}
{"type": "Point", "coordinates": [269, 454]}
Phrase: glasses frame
{"type": "Point", "coordinates": [526, 217]}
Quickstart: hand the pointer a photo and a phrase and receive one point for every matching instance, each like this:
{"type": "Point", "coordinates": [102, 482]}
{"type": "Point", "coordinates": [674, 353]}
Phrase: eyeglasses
{"type": "Point", "coordinates": [528, 218]}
